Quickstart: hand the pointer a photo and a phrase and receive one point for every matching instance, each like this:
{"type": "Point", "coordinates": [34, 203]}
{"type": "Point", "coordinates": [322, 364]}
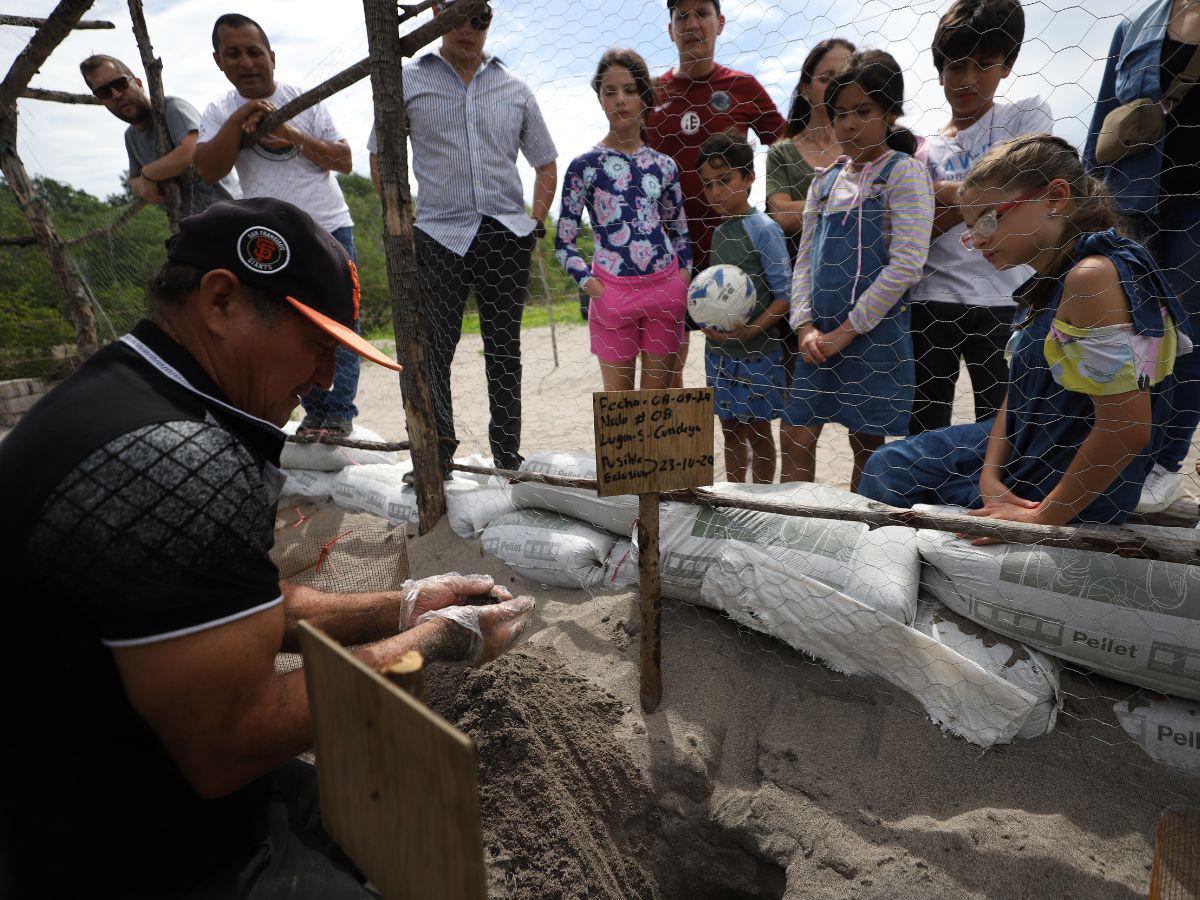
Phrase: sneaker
{"type": "Point", "coordinates": [1162, 488]}
{"type": "Point", "coordinates": [315, 427]}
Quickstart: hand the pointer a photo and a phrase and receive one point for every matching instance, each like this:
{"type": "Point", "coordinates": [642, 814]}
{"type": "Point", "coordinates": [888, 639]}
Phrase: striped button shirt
{"type": "Point", "coordinates": [465, 140]}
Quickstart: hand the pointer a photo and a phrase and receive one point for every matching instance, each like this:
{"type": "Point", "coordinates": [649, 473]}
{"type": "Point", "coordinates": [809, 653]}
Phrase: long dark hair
{"type": "Point", "coordinates": [632, 62]}
{"type": "Point", "coordinates": [879, 76]}
{"type": "Point", "coordinates": [801, 110]}
{"type": "Point", "coordinates": [1034, 160]}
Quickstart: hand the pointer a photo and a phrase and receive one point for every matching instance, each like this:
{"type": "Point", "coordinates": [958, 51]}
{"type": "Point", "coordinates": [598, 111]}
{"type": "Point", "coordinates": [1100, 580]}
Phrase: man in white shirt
{"type": "Point", "coordinates": [296, 162]}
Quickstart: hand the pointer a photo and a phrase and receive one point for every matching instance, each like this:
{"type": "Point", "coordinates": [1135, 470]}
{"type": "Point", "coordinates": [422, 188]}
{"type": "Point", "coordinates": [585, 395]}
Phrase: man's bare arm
{"type": "Point", "coordinates": [214, 159]}
{"type": "Point", "coordinates": [146, 190]}
{"type": "Point", "coordinates": [223, 715]}
{"type": "Point", "coordinates": [175, 163]}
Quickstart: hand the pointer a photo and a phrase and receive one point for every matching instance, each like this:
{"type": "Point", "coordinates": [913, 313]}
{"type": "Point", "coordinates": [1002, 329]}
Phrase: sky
{"type": "Point", "coordinates": [554, 46]}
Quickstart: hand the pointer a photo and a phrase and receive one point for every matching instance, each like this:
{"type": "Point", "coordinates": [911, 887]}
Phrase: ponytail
{"type": "Point", "coordinates": [901, 139]}
{"type": "Point", "coordinates": [1031, 161]}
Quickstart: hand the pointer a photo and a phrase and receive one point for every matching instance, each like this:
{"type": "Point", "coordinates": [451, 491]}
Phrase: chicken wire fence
{"type": "Point", "coordinates": [938, 624]}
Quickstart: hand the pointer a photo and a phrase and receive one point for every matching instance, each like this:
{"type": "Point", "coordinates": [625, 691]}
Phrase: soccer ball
{"type": "Point", "coordinates": [721, 296]}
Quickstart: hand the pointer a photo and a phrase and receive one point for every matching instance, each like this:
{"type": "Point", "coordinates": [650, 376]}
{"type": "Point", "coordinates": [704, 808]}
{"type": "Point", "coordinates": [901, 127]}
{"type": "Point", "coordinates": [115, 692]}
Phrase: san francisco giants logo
{"type": "Point", "coordinates": [263, 250]}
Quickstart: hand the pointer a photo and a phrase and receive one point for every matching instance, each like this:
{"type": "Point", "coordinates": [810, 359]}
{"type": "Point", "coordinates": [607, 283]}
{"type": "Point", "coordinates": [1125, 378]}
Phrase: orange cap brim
{"type": "Point", "coordinates": [346, 336]}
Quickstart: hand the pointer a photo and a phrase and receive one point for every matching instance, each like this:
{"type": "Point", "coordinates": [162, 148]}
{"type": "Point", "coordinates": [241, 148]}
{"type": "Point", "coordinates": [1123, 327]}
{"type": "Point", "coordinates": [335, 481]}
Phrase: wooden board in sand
{"type": "Point", "coordinates": [399, 785]}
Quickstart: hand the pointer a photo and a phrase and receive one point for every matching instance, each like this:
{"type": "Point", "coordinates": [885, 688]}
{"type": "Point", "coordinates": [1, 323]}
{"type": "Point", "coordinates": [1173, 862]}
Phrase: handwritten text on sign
{"type": "Point", "coordinates": [649, 441]}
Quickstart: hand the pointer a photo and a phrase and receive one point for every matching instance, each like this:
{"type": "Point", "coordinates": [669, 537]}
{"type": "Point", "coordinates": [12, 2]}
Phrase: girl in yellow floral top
{"type": "Point", "coordinates": [1094, 345]}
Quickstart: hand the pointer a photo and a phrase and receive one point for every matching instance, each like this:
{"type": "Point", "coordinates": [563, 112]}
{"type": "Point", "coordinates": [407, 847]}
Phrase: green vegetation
{"type": "Point", "coordinates": [117, 268]}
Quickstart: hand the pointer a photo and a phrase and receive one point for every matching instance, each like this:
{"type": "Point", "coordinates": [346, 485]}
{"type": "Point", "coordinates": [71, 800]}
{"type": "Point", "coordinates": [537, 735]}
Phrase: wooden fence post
{"type": "Point", "coordinates": [50, 33]}
{"type": "Point", "coordinates": [162, 136]}
{"type": "Point", "coordinates": [391, 132]}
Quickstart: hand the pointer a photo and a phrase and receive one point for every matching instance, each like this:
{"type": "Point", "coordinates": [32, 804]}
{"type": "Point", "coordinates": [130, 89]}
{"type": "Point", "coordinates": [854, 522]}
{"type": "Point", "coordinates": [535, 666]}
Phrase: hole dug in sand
{"type": "Point", "coordinates": [567, 813]}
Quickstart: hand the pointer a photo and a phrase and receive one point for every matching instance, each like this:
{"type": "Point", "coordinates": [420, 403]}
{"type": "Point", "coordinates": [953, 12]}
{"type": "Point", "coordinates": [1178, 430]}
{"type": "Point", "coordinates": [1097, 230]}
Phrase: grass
{"type": "Point", "coordinates": [536, 315]}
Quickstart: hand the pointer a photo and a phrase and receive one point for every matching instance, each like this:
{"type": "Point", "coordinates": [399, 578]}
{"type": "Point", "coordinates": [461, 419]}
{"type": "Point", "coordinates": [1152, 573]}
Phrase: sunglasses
{"type": "Point", "coordinates": [987, 224]}
{"type": "Point", "coordinates": [117, 85]}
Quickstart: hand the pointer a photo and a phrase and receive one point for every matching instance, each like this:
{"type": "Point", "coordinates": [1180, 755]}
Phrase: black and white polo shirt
{"type": "Point", "coordinates": [138, 506]}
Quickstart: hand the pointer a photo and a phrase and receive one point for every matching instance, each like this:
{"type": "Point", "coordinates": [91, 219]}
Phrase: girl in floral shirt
{"type": "Point", "coordinates": [641, 266]}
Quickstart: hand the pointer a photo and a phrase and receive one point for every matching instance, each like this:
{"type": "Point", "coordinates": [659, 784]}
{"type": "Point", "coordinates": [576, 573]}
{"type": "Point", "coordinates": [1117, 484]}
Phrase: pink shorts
{"type": "Point", "coordinates": [638, 312]}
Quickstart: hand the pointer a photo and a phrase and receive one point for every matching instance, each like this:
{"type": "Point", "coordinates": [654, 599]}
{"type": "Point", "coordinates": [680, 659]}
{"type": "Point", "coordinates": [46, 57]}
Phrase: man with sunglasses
{"type": "Point", "coordinates": [468, 118]}
{"type": "Point", "coordinates": [123, 95]}
{"type": "Point", "coordinates": [296, 162]}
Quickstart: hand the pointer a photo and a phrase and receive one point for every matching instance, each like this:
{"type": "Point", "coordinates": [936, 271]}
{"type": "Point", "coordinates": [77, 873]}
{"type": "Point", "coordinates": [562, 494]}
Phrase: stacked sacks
{"type": "Point", "coordinates": [373, 482]}
{"type": "Point", "coordinates": [1133, 620]}
{"type": "Point", "coordinates": [879, 567]}
{"type": "Point", "coordinates": [549, 548]}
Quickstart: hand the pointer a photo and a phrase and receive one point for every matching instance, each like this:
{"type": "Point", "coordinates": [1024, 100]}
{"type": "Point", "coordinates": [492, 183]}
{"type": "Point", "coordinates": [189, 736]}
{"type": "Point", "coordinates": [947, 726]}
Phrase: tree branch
{"type": "Point", "coordinates": [158, 108]}
{"type": "Point", "coordinates": [409, 45]}
{"type": "Point", "coordinates": [32, 93]}
{"type": "Point", "coordinates": [112, 227]}
{"type": "Point", "coordinates": [1118, 541]}
{"type": "Point", "coordinates": [30, 22]}
{"type": "Point", "coordinates": [48, 36]}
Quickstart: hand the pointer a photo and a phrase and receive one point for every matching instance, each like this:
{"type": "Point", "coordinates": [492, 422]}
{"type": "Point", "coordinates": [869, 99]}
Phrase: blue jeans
{"type": "Point", "coordinates": [336, 405]}
{"type": "Point", "coordinates": [1173, 236]}
{"type": "Point", "coordinates": [940, 466]}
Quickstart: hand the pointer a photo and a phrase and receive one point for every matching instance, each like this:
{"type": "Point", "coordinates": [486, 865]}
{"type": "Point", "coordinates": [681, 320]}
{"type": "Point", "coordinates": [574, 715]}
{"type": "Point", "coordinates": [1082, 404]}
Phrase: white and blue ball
{"type": "Point", "coordinates": [721, 296]}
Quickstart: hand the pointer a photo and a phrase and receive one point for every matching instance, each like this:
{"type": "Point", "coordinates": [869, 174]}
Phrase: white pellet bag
{"type": "Point", "coordinates": [615, 514]}
{"type": "Point", "coordinates": [1133, 620]}
{"type": "Point", "coordinates": [550, 549]}
{"type": "Point", "coordinates": [377, 489]}
{"type": "Point", "coordinates": [1167, 728]}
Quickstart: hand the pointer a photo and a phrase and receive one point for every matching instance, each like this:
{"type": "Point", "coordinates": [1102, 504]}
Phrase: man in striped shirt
{"type": "Point", "coordinates": [468, 117]}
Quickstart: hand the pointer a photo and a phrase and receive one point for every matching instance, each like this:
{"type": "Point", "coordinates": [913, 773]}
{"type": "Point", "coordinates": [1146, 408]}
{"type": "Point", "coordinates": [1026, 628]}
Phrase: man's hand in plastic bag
{"type": "Point", "coordinates": [489, 613]}
{"type": "Point", "coordinates": [493, 627]}
{"type": "Point", "coordinates": [438, 591]}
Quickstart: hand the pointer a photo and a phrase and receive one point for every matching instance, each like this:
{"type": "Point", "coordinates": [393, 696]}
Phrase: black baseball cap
{"type": "Point", "coordinates": [277, 248]}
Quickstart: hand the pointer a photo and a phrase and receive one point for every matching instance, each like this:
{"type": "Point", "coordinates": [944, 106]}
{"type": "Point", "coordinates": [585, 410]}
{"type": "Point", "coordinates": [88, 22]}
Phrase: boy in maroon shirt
{"type": "Point", "coordinates": [698, 99]}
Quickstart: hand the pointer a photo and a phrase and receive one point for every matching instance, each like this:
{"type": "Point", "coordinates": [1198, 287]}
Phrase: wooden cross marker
{"type": "Point", "coordinates": [648, 442]}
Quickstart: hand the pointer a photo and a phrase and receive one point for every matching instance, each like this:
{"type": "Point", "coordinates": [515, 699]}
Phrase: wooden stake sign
{"type": "Point", "coordinates": [647, 442]}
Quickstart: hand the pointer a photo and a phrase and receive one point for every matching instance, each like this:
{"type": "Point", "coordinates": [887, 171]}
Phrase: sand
{"type": "Point", "coordinates": [763, 774]}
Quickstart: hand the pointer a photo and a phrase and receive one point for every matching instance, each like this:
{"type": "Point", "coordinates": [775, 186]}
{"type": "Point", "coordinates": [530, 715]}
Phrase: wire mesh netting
{"type": "Point", "coordinates": [850, 302]}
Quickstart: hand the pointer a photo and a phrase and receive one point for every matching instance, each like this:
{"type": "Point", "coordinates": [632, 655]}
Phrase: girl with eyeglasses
{"type": "Point", "coordinates": [1096, 336]}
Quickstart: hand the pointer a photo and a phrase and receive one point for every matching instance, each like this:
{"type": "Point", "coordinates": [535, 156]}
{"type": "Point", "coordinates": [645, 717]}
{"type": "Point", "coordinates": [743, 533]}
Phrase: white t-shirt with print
{"type": "Point", "coordinates": [285, 174]}
{"type": "Point", "coordinates": [958, 274]}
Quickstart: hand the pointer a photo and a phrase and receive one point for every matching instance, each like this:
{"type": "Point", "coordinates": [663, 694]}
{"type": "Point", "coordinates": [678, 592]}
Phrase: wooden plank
{"type": "Point", "coordinates": [651, 602]}
{"type": "Point", "coordinates": [399, 789]}
{"type": "Point", "coordinates": [391, 120]}
{"type": "Point", "coordinates": [650, 441]}
{"type": "Point", "coordinates": [1176, 871]}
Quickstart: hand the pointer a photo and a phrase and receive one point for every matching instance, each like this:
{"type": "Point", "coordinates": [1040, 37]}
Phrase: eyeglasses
{"type": "Point", "coordinates": [987, 224]}
{"type": "Point", "coordinates": [118, 85]}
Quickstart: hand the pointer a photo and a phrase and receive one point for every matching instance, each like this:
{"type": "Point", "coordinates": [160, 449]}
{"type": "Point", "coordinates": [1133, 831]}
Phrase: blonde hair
{"type": "Point", "coordinates": [1034, 160]}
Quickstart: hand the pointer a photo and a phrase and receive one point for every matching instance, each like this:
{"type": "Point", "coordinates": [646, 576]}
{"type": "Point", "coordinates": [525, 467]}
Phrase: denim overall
{"type": "Point", "coordinates": [868, 387]}
{"type": "Point", "coordinates": [1046, 423]}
